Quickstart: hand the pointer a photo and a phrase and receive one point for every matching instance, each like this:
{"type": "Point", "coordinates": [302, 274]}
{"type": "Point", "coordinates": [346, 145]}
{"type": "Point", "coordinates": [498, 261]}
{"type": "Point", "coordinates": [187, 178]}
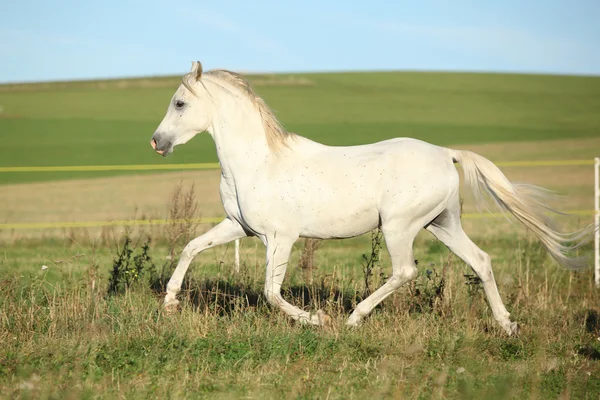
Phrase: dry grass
{"type": "Point", "coordinates": [307, 259]}
{"type": "Point", "coordinates": [103, 199]}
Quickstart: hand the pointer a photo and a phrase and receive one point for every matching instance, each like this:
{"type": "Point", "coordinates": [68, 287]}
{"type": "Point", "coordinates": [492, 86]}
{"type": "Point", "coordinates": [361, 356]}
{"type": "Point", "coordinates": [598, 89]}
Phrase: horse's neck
{"type": "Point", "coordinates": [240, 141]}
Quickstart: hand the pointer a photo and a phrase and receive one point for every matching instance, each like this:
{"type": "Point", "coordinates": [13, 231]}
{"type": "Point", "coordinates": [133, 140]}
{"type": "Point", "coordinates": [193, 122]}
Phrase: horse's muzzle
{"type": "Point", "coordinates": [161, 147]}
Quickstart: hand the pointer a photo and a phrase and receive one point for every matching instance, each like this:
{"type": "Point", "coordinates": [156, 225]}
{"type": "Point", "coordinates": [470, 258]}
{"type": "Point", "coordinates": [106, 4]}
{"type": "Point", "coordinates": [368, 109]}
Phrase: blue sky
{"type": "Point", "coordinates": [58, 40]}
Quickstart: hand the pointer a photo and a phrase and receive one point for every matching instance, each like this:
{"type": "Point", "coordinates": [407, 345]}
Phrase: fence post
{"type": "Point", "coordinates": [237, 255]}
{"type": "Point", "coordinates": [597, 220]}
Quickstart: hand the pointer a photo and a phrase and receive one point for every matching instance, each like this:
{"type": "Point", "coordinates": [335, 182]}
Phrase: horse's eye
{"type": "Point", "coordinates": [179, 104]}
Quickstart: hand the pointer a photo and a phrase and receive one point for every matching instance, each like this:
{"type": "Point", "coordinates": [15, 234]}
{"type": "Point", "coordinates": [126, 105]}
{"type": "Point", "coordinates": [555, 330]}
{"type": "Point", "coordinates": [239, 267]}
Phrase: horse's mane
{"type": "Point", "coordinates": [275, 132]}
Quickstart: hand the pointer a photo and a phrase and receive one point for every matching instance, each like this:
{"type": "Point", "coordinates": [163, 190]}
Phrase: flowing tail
{"type": "Point", "coordinates": [526, 203]}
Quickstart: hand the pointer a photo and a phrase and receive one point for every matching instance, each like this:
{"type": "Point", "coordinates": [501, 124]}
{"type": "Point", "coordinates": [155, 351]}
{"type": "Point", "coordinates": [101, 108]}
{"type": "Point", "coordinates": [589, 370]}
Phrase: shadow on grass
{"type": "Point", "coordinates": [226, 297]}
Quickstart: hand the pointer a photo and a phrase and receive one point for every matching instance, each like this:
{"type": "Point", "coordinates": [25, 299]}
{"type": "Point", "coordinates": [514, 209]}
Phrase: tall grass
{"type": "Point", "coordinates": [435, 338]}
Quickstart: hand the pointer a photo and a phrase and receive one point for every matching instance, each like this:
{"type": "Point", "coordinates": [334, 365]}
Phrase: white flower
{"type": "Point", "coordinates": [26, 385]}
{"type": "Point", "coordinates": [44, 267]}
{"type": "Point", "coordinates": [30, 383]}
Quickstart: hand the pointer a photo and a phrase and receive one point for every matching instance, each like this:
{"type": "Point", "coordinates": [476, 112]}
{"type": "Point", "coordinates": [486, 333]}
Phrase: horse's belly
{"type": "Point", "coordinates": [339, 219]}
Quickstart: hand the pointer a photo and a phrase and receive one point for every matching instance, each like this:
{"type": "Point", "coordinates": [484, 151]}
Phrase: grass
{"type": "Point", "coordinates": [63, 336]}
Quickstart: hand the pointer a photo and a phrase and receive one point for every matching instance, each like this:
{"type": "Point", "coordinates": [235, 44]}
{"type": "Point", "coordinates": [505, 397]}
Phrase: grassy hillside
{"type": "Point", "coordinates": [111, 122]}
{"type": "Point", "coordinates": [63, 336]}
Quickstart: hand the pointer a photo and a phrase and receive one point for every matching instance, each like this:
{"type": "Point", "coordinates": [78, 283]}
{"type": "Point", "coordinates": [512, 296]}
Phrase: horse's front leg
{"type": "Point", "coordinates": [278, 254]}
{"type": "Point", "coordinates": [225, 232]}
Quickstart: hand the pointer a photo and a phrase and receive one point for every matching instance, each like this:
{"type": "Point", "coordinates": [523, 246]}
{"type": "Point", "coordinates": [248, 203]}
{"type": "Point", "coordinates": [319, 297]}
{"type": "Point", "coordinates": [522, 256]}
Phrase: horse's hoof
{"type": "Point", "coordinates": [171, 306]}
{"type": "Point", "coordinates": [513, 329]}
{"type": "Point", "coordinates": [354, 321]}
{"type": "Point", "coordinates": [324, 319]}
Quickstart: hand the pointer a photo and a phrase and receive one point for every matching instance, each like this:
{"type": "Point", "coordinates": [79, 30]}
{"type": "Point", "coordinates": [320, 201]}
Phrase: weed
{"type": "Point", "coordinates": [427, 290]}
{"type": "Point", "coordinates": [183, 223]}
{"type": "Point", "coordinates": [130, 266]}
{"type": "Point", "coordinates": [474, 286]}
{"type": "Point", "coordinates": [307, 259]}
{"type": "Point", "coordinates": [371, 261]}
{"type": "Point", "coordinates": [183, 219]}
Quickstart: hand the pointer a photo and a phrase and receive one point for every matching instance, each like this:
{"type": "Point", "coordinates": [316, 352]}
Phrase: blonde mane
{"type": "Point", "coordinates": [276, 134]}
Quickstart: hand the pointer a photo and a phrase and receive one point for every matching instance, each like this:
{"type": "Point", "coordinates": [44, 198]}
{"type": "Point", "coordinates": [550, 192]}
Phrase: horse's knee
{"type": "Point", "coordinates": [400, 277]}
{"type": "Point", "coordinates": [189, 251]}
{"type": "Point", "coordinates": [486, 260]}
{"type": "Point", "coordinates": [483, 268]}
{"type": "Point", "coordinates": [406, 274]}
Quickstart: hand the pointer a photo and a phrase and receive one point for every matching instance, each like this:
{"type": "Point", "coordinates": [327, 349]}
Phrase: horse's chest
{"type": "Point", "coordinates": [229, 198]}
{"type": "Point", "coordinates": [247, 205]}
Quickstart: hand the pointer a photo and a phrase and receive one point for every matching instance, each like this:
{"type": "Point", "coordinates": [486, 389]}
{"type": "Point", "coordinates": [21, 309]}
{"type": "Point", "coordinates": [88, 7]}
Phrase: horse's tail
{"type": "Point", "coordinates": [526, 203]}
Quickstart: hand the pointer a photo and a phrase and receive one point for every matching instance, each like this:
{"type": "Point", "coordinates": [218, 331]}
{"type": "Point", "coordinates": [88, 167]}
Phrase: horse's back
{"type": "Point", "coordinates": [399, 159]}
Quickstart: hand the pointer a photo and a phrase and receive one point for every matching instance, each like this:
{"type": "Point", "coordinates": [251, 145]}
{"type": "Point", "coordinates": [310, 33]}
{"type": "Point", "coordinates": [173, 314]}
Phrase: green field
{"type": "Point", "coordinates": [78, 124]}
{"type": "Point", "coordinates": [63, 336]}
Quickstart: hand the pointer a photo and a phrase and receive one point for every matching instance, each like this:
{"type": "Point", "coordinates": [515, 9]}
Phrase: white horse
{"type": "Point", "coordinates": [279, 186]}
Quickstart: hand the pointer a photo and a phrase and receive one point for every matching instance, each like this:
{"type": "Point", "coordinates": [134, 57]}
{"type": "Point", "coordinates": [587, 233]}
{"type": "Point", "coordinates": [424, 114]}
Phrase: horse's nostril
{"type": "Point", "coordinates": [153, 143]}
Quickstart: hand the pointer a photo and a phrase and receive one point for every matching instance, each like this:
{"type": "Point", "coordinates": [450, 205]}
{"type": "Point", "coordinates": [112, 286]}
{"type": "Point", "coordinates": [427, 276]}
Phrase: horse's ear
{"type": "Point", "coordinates": [196, 70]}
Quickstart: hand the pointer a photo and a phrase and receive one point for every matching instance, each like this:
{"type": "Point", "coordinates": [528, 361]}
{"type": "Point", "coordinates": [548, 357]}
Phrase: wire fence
{"type": "Point", "coordinates": [210, 220]}
{"type": "Point", "coordinates": [213, 166]}
{"type": "Point", "coordinates": [207, 220]}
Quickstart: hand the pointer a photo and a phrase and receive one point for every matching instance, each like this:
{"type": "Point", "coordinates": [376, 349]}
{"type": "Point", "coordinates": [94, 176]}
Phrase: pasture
{"type": "Point", "coordinates": [61, 335]}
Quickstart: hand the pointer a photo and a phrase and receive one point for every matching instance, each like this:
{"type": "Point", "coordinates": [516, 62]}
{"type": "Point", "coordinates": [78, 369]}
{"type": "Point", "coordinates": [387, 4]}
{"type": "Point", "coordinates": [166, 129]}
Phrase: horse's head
{"type": "Point", "coordinates": [189, 112]}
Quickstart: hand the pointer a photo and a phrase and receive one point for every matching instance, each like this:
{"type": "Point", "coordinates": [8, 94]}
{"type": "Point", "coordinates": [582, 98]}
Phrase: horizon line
{"type": "Point", "coordinates": [306, 72]}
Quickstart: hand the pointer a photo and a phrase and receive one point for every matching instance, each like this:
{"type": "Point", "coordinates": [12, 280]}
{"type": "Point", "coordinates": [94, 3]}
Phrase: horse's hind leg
{"type": "Point", "coordinates": [448, 229]}
{"type": "Point", "coordinates": [399, 241]}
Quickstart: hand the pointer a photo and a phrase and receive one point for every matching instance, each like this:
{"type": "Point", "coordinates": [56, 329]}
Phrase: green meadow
{"type": "Point", "coordinates": [64, 334]}
{"type": "Point", "coordinates": [108, 123]}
